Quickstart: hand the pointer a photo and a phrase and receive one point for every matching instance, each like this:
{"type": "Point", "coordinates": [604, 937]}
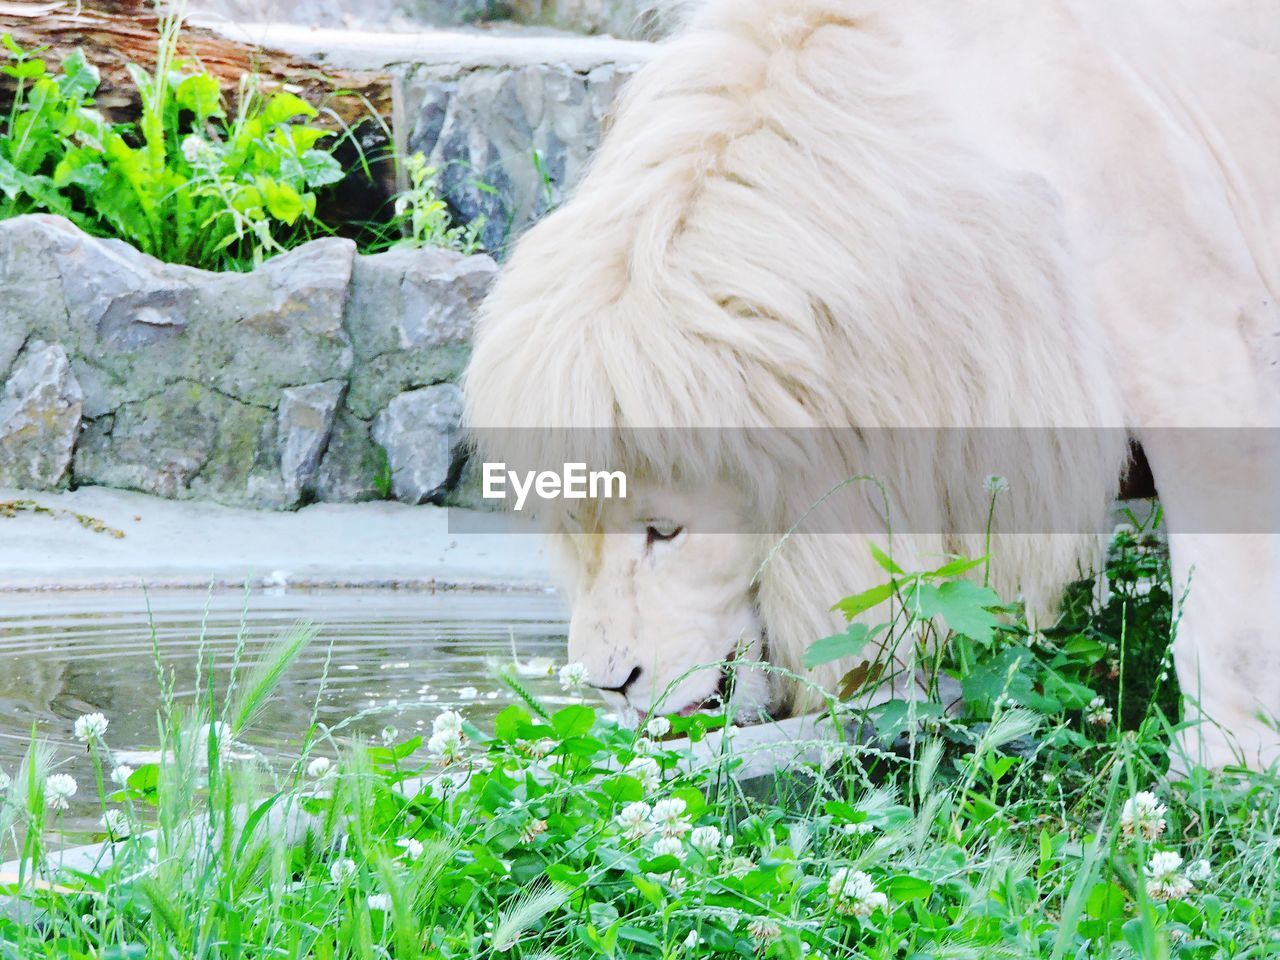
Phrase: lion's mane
{"type": "Point", "coordinates": [779, 230]}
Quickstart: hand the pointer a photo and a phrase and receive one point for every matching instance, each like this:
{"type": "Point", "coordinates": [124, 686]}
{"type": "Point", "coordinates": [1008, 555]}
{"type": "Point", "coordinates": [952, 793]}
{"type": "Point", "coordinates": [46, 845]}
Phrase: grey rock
{"type": "Point", "coordinates": [354, 468]}
{"type": "Point", "coordinates": [255, 334]}
{"type": "Point", "coordinates": [410, 317]}
{"type": "Point", "coordinates": [509, 142]}
{"type": "Point", "coordinates": [187, 441]}
{"type": "Point", "coordinates": [40, 413]}
{"type": "Point", "coordinates": [134, 325]}
{"type": "Point", "coordinates": [304, 425]}
{"type": "Point", "coordinates": [421, 432]}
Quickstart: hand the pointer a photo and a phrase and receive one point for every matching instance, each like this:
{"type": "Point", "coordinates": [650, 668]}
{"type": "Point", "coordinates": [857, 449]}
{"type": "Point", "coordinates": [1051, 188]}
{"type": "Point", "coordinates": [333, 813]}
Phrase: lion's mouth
{"type": "Point", "coordinates": [718, 697]}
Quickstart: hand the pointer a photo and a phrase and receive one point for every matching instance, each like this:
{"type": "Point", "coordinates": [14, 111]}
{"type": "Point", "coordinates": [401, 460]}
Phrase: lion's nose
{"type": "Point", "coordinates": [621, 688]}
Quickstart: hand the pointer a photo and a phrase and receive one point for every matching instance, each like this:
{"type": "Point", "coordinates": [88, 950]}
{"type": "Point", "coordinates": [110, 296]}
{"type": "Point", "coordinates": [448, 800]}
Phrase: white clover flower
{"type": "Point", "coordinates": [855, 893]}
{"type": "Point", "coordinates": [859, 829]}
{"type": "Point", "coordinates": [342, 870]}
{"type": "Point", "coordinates": [1199, 871]}
{"type": "Point", "coordinates": [541, 747]}
{"type": "Point", "coordinates": [192, 147]}
{"type": "Point", "coordinates": [669, 819]}
{"type": "Point", "coordinates": [532, 830]}
{"type": "Point", "coordinates": [1143, 814]}
{"type": "Point", "coordinates": [4, 781]}
{"type": "Point", "coordinates": [739, 866]}
{"type": "Point", "coordinates": [658, 727]}
{"type": "Point", "coordinates": [380, 902]}
{"type": "Point", "coordinates": [1164, 882]}
{"type": "Point", "coordinates": [573, 677]}
{"type": "Point", "coordinates": [669, 847]}
{"type": "Point", "coordinates": [643, 746]}
{"type": "Point", "coordinates": [319, 768]}
{"type": "Point", "coordinates": [646, 770]}
{"type": "Point", "coordinates": [116, 823]}
{"type": "Point", "coordinates": [91, 726]}
{"type": "Point", "coordinates": [121, 774]}
{"type": "Point", "coordinates": [445, 747]}
{"type": "Point", "coordinates": [634, 820]}
{"type": "Point", "coordinates": [59, 789]}
{"type": "Point", "coordinates": [995, 484]}
{"type": "Point", "coordinates": [448, 721]}
{"type": "Point", "coordinates": [389, 735]}
{"type": "Point", "coordinates": [413, 849]}
{"type": "Point", "coordinates": [447, 737]}
{"type": "Point", "coordinates": [764, 931]}
{"type": "Point", "coordinates": [1098, 713]}
{"type": "Point", "coordinates": [706, 840]}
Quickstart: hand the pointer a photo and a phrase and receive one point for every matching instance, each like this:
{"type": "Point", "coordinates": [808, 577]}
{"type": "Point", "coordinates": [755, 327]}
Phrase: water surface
{"type": "Point", "coordinates": [397, 657]}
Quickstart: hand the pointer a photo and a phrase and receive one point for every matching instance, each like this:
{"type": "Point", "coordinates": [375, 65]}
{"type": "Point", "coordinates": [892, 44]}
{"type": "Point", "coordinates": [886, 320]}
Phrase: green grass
{"type": "Point", "coordinates": [1000, 833]}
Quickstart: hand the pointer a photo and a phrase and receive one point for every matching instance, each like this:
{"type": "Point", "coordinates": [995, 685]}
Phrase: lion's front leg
{"type": "Point", "coordinates": [1222, 502]}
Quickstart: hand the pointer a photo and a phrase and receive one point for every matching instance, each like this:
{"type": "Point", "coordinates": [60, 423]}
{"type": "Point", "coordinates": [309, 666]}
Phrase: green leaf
{"type": "Point", "coordinates": [663, 864]}
{"type": "Point", "coordinates": [622, 788]}
{"type": "Point", "coordinates": [558, 873]}
{"type": "Point", "coordinates": [283, 202]}
{"type": "Point", "coordinates": [321, 169]}
{"type": "Point", "coordinates": [904, 888]}
{"type": "Point", "coordinates": [956, 567]}
{"type": "Point", "coordinates": [1106, 902]}
{"type": "Point", "coordinates": [650, 889]}
{"type": "Point", "coordinates": [80, 78]}
{"type": "Point", "coordinates": [507, 724]}
{"type": "Point", "coordinates": [885, 561]}
{"type": "Point", "coordinates": [961, 603]}
{"type": "Point", "coordinates": [860, 602]}
{"type": "Point", "coordinates": [1002, 674]}
{"type": "Point", "coordinates": [841, 645]}
{"type": "Point", "coordinates": [573, 721]}
{"type": "Point", "coordinates": [26, 69]}
{"type": "Point", "coordinates": [284, 106]}
{"type": "Point", "coordinates": [200, 94]}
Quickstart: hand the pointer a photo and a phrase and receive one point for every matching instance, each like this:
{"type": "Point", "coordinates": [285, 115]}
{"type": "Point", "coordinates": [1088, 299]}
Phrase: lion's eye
{"type": "Point", "coordinates": [661, 532]}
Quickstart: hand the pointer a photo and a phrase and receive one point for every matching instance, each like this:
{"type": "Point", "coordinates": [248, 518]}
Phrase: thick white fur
{"type": "Point", "coordinates": [854, 213]}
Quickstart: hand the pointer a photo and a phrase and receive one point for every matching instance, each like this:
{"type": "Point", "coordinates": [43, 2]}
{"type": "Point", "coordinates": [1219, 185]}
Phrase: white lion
{"type": "Point", "coordinates": [886, 214]}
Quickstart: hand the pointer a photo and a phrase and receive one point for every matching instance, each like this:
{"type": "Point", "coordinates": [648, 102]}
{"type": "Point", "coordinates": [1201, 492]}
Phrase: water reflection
{"type": "Point", "coordinates": [397, 657]}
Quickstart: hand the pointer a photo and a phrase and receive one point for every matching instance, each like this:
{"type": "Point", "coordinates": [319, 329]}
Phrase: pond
{"type": "Point", "coordinates": [395, 658]}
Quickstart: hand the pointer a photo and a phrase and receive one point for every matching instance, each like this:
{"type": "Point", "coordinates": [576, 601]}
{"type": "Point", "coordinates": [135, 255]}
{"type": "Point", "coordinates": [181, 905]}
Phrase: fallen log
{"type": "Point", "coordinates": [126, 33]}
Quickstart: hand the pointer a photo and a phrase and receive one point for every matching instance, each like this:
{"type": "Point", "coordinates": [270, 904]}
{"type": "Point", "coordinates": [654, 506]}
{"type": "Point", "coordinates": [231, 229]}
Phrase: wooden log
{"type": "Point", "coordinates": [126, 33]}
{"type": "Point", "coordinates": [115, 33]}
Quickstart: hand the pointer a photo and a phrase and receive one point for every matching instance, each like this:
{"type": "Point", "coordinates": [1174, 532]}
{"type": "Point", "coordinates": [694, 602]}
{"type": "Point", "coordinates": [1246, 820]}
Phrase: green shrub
{"type": "Point", "coordinates": [196, 181]}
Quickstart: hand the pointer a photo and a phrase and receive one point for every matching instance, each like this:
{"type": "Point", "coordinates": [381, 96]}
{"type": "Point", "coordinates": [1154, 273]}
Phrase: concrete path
{"type": "Point", "coordinates": [169, 543]}
{"type": "Point", "coordinates": [354, 49]}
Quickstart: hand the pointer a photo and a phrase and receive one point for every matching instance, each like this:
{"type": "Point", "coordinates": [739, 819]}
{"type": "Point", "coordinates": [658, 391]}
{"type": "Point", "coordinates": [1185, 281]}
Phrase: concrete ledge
{"type": "Point", "coordinates": [193, 544]}
{"type": "Point", "coordinates": [374, 50]}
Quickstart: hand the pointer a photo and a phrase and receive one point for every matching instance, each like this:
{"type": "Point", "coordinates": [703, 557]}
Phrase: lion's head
{"type": "Point", "coordinates": [775, 240]}
{"type": "Point", "coordinates": [664, 600]}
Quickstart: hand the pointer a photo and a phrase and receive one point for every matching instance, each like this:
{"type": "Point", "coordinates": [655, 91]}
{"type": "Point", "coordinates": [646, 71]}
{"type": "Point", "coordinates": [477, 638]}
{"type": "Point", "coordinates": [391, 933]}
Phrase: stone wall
{"type": "Point", "coordinates": [508, 141]}
{"type": "Point", "coordinates": [323, 375]}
